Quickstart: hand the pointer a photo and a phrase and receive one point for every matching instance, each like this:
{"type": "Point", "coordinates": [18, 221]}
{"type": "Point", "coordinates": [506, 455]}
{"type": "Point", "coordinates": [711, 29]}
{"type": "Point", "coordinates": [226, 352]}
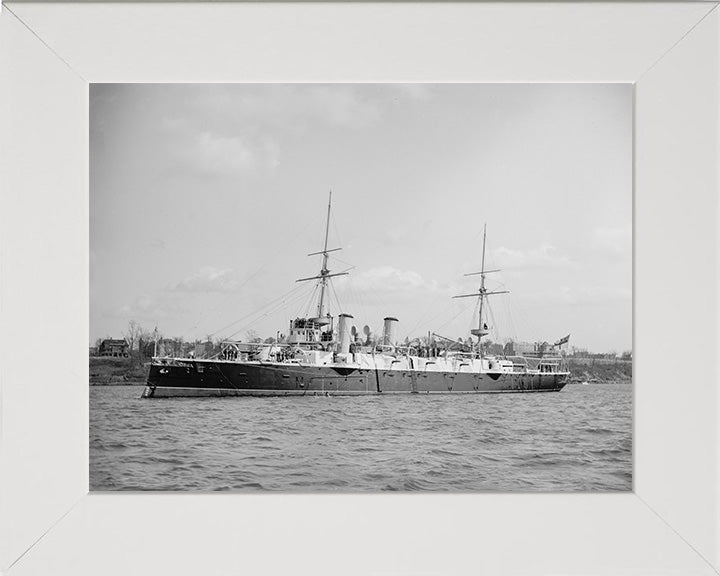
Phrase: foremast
{"type": "Point", "coordinates": [321, 319]}
{"type": "Point", "coordinates": [324, 270]}
{"type": "Point", "coordinates": [481, 294]}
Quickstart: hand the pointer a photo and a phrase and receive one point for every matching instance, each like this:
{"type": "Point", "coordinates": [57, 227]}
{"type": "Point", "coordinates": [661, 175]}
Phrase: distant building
{"type": "Point", "coordinates": [205, 349]}
{"type": "Point", "coordinates": [174, 348]}
{"type": "Point", "coordinates": [497, 349]}
{"type": "Point", "coordinates": [166, 347]}
{"type": "Point", "coordinates": [522, 348]}
{"type": "Point", "coordinates": [114, 348]}
{"type": "Point", "coordinates": [535, 349]}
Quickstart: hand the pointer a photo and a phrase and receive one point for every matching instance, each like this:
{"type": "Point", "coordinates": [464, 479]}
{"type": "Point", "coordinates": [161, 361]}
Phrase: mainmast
{"type": "Point", "coordinates": [324, 271]}
{"type": "Point", "coordinates": [482, 281]}
{"type": "Point", "coordinates": [482, 293]}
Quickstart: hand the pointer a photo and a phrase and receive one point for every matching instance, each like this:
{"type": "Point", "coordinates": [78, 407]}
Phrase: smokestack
{"type": "Point", "coordinates": [344, 333]}
{"type": "Point", "coordinates": [389, 325]}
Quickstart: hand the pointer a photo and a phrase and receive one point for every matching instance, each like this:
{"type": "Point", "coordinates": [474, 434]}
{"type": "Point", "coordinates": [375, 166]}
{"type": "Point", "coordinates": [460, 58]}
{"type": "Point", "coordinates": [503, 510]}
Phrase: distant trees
{"type": "Point", "coordinates": [141, 345]}
{"type": "Point", "coordinates": [178, 343]}
{"type": "Point", "coordinates": [612, 355]}
{"type": "Point", "coordinates": [253, 336]}
{"type": "Point", "coordinates": [132, 334]}
{"type": "Point", "coordinates": [146, 342]}
{"type": "Point", "coordinates": [141, 341]}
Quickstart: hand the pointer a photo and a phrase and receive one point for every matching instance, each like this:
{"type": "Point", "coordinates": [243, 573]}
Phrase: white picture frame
{"type": "Point", "coordinates": [50, 524]}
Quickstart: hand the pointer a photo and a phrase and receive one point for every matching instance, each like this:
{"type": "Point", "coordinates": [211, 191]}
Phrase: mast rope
{"type": "Point", "coordinates": [422, 322]}
{"type": "Point", "coordinates": [334, 293]}
{"type": "Point", "coordinates": [310, 300]}
{"type": "Point", "coordinates": [272, 310]}
{"type": "Point", "coordinates": [289, 232]}
{"type": "Point", "coordinates": [493, 323]}
{"type": "Point", "coordinates": [356, 298]}
{"type": "Point", "coordinates": [473, 322]}
{"type": "Point", "coordinates": [268, 311]}
{"type": "Point", "coordinates": [441, 326]}
{"type": "Point", "coordinates": [270, 303]}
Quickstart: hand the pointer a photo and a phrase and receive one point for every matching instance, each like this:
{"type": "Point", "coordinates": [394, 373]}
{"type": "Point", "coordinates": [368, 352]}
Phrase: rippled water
{"type": "Point", "coordinates": [579, 439]}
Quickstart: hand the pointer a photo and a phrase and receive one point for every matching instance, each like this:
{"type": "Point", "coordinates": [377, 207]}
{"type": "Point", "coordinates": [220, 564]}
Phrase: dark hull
{"type": "Point", "coordinates": [217, 378]}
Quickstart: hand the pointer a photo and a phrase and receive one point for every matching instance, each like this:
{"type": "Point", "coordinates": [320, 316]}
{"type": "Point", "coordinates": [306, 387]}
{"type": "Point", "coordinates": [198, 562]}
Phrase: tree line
{"type": "Point", "coordinates": [142, 343]}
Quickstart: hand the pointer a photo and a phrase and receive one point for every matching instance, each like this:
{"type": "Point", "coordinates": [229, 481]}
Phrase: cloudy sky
{"type": "Point", "coordinates": [206, 199]}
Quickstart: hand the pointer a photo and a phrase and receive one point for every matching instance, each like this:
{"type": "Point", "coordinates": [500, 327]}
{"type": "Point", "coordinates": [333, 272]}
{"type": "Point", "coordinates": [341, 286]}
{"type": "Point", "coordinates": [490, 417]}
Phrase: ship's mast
{"type": "Point", "coordinates": [482, 293]}
{"type": "Point", "coordinates": [324, 275]}
{"type": "Point", "coordinates": [324, 270]}
{"type": "Point", "coordinates": [482, 281]}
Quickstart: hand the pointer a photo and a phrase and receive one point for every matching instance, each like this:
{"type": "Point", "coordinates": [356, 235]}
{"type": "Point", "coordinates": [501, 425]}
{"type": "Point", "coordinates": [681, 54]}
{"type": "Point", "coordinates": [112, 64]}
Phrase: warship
{"type": "Point", "coordinates": [324, 355]}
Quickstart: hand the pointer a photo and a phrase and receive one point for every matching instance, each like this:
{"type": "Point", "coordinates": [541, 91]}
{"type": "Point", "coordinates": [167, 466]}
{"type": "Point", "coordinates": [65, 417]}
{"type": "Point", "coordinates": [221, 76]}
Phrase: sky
{"type": "Point", "coordinates": [205, 200]}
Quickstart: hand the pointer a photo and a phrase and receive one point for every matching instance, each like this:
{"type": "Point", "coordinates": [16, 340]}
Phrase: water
{"type": "Point", "coordinates": [579, 439]}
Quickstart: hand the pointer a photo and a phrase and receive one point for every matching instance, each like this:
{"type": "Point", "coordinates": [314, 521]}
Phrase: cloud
{"type": "Point", "coordinates": [261, 107]}
{"type": "Point", "coordinates": [339, 106]}
{"type": "Point", "coordinates": [218, 147]}
{"type": "Point", "coordinates": [545, 256]}
{"type": "Point", "coordinates": [212, 153]}
{"type": "Point", "coordinates": [150, 308]}
{"type": "Point", "coordinates": [226, 131]}
{"type": "Point", "coordinates": [615, 240]}
{"type": "Point", "coordinates": [171, 302]}
{"type": "Point", "coordinates": [579, 296]}
{"type": "Point", "coordinates": [207, 279]}
{"type": "Point", "coordinates": [223, 154]}
{"type": "Point", "coordinates": [389, 279]}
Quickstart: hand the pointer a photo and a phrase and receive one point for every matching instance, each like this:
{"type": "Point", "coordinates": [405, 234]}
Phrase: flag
{"type": "Point", "coordinates": [563, 340]}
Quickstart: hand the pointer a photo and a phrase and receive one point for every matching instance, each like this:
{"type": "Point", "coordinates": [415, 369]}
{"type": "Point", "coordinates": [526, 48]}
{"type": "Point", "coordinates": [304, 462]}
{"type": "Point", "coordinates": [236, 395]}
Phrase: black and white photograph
{"type": "Point", "coordinates": [361, 287]}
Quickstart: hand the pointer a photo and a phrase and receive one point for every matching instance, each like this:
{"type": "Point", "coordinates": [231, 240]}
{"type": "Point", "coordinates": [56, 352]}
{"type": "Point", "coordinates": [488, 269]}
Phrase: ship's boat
{"type": "Point", "coordinates": [326, 355]}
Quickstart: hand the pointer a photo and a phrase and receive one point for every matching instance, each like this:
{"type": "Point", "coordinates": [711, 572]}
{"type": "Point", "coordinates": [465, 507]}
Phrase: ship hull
{"type": "Point", "coordinates": [192, 378]}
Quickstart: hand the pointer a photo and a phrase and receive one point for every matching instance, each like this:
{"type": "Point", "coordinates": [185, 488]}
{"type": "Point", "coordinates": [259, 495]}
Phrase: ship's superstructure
{"type": "Point", "coordinates": [326, 355]}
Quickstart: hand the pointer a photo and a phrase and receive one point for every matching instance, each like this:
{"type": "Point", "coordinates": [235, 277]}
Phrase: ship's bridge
{"type": "Point", "coordinates": [310, 331]}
